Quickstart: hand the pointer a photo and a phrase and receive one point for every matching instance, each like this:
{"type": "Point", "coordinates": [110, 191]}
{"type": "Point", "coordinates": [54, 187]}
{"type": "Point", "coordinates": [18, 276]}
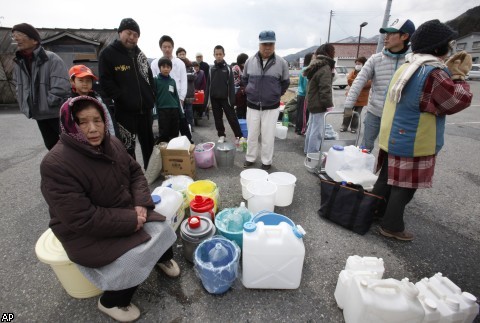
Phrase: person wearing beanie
{"type": "Point", "coordinates": [421, 93]}
{"type": "Point", "coordinates": [167, 102]}
{"type": "Point", "coordinates": [126, 78]}
{"type": "Point", "coordinates": [129, 24]}
{"type": "Point", "coordinates": [42, 101]}
{"type": "Point", "coordinates": [379, 69]}
{"type": "Point", "coordinates": [240, 96]}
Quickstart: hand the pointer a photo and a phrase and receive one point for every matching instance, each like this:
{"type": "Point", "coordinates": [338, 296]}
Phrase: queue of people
{"type": "Point", "coordinates": [98, 198]}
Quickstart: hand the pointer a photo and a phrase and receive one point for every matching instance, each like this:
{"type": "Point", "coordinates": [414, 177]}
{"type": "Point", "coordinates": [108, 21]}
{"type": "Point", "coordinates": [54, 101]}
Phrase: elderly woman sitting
{"type": "Point", "coordinates": [101, 209]}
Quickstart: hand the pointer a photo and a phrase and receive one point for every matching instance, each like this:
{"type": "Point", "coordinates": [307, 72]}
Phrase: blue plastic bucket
{"type": "Point", "coordinates": [217, 278]}
{"type": "Point", "coordinates": [243, 127]}
{"type": "Point", "coordinates": [236, 236]}
{"type": "Point", "coordinates": [270, 218]}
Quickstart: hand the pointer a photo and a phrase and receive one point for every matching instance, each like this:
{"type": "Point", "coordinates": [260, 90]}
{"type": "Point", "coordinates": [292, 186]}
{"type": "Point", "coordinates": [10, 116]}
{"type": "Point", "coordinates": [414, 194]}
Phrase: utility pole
{"type": "Point", "coordinates": [386, 17]}
{"type": "Point", "coordinates": [329, 25]}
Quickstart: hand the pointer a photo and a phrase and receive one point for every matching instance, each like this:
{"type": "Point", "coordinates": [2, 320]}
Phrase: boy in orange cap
{"type": "Point", "coordinates": [81, 79]}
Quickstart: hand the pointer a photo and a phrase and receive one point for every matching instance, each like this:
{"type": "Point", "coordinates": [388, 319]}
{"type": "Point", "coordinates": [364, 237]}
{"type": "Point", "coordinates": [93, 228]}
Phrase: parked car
{"type": "Point", "coordinates": [340, 78]}
{"type": "Point", "coordinates": [474, 72]}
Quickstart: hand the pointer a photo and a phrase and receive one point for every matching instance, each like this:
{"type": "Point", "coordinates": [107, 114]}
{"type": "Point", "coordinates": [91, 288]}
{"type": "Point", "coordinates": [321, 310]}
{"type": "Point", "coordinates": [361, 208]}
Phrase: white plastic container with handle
{"type": "Point", "coordinates": [272, 255]}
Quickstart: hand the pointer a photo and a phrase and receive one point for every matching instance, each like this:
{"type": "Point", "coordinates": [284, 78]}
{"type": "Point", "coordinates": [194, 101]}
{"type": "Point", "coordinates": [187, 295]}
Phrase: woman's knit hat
{"type": "Point", "coordinates": [28, 30]}
{"type": "Point", "coordinates": [431, 35]}
{"type": "Point", "coordinates": [130, 24]}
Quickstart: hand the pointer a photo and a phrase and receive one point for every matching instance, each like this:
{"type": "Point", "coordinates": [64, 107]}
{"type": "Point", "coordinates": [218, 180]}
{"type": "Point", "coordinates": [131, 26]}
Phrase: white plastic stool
{"type": "Point", "coordinates": [50, 251]}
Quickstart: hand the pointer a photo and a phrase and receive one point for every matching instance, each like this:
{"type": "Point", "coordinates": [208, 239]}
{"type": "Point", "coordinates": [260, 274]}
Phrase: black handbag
{"type": "Point", "coordinates": [348, 205]}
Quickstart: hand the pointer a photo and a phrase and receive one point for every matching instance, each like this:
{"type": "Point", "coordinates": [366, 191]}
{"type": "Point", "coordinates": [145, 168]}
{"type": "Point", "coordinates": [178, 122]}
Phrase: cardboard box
{"type": "Point", "coordinates": [178, 162]}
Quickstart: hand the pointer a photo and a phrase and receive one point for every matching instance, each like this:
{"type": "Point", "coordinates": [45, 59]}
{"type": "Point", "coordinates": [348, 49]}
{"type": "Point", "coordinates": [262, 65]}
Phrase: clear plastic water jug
{"type": "Point", "coordinates": [382, 300]}
{"type": "Point", "coordinates": [272, 255]}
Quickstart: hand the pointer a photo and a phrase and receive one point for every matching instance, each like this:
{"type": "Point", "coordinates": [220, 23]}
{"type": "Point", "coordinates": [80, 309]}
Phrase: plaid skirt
{"type": "Point", "coordinates": [134, 266]}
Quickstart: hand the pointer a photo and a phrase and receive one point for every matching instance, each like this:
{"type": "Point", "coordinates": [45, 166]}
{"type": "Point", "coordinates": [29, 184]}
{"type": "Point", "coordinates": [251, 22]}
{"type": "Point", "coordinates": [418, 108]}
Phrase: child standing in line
{"type": "Point", "coordinates": [221, 92]}
{"type": "Point", "coordinates": [81, 80]}
{"type": "Point", "coordinates": [167, 102]}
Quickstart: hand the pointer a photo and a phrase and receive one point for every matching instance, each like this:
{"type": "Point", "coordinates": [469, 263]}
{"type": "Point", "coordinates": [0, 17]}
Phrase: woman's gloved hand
{"type": "Point", "coordinates": [459, 65]}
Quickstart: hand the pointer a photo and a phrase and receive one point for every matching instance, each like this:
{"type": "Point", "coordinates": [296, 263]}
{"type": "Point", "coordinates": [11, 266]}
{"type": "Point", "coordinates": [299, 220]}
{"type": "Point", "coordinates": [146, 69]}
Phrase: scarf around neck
{"type": "Point", "coordinates": [414, 61]}
{"type": "Point", "coordinates": [68, 125]}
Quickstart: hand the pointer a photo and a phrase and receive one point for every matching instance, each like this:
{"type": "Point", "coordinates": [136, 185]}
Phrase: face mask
{"type": "Point", "coordinates": [358, 67]}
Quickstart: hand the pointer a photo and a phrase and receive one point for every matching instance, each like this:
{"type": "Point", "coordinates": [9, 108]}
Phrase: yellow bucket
{"type": "Point", "coordinates": [50, 251]}
{"type": "Point", "coordinates": [204, 188]}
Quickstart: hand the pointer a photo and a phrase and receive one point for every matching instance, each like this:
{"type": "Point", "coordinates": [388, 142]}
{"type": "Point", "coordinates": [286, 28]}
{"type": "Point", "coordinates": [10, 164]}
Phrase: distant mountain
{"type": "Point", "coordinates": [467, 22]}
{"type": "Point", "coordinates": [349, 40]}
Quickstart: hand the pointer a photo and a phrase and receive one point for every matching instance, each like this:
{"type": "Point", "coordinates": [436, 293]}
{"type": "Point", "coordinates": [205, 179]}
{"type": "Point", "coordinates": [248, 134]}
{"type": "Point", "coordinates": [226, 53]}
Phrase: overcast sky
{"type": "Point", "coordinates": [199, 25]}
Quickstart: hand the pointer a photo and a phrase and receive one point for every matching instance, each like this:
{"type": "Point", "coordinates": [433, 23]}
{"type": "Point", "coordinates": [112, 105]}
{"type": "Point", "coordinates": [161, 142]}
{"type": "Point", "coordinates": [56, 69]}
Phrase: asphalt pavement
{"type": "Point", "coordinates": [444, 219]}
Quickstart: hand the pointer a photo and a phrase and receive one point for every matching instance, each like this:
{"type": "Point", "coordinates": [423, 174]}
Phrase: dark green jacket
{"type": "Point", "coordinates": [320, 77]}
{"type": "Point", "coordinates": [166, 93]}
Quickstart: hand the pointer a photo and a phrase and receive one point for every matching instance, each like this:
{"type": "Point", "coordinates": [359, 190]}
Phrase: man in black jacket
{"type": "Point", "coordinates": [221, 92]}
{"type": "Point", "coordinates": [127, 79]}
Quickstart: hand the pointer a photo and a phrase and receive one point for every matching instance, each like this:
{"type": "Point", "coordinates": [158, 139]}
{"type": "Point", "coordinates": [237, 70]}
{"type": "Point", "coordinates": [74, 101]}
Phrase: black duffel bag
{"type": "Point", "coordinates": [348, 205]}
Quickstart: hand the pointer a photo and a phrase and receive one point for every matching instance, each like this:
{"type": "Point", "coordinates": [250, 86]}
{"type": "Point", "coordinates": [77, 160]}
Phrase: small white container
{"type": "Point", "coordinates": [250, 175]}
{"type": "Point", "coordinates": [261, 196]}
{"type": "Point", "coordinates": [285, 187]}
{"type": "Point", "coordinates": [453, 304]}
{"type": "Point", "coordinates": [281, 132]}
{"type": "Point", "coordinates": [169, 204]}
{"type": "Point", "coordinates": [273, 256]}
{"type": "Point", "coordinates": [382, 300]}
{"type": "Point", "coordinates": [335, 161]}
{"type": "Point", "coordinates": [344, 281]}
{"type": "Point", "coordinates": [372, 264]}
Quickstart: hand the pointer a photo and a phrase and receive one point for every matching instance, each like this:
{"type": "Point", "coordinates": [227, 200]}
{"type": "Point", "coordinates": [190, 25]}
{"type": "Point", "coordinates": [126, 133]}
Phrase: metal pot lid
{"type": "Point", "coordinates": [196, 227]}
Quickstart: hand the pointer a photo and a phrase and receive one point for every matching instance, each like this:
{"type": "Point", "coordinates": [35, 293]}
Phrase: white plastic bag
{"type": "Point", "coordinates": [154, 165]}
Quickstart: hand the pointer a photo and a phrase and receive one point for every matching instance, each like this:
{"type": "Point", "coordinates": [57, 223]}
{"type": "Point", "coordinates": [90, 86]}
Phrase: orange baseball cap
{"type": "Point", "coordinates": [81, 71]}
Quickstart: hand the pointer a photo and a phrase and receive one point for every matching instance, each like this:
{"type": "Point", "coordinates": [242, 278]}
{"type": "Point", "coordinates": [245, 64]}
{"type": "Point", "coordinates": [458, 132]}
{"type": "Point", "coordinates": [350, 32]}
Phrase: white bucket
{"type": "Point", "coordinates": [249, 175]}
{"type": "Point", "coordinates": [281, 132]}
{"type": "Point", "coordinates": [285, 187]}
{"type": "Point", "coordinates": [261, 196]}
{"type": "Point", "coordinates": [312, 161]}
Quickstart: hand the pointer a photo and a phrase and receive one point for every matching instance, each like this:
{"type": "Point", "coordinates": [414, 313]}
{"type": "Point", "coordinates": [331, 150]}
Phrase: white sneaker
{"type": "Point", "coordinates": [221, 139]}
{"type": "Point", "coordinates": [121, 314]}
{"type": "Point", "coordinates": [170, 268]}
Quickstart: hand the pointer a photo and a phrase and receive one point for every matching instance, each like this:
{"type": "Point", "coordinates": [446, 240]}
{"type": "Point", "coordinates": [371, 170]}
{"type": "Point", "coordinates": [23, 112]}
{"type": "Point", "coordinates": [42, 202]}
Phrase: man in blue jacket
{"type": "Point", "coordinates": [266, 79]}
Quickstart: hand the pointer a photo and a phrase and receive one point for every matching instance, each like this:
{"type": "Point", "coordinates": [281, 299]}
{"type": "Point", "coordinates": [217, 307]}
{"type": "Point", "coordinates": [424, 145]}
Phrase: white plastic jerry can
{"type": "Point", "coordinates": [272, 255]}
{"type": "Point", "coordinates": [453, 304]}
{"type": "Point", "coordinates": [373, 264]}
{"type": "Point", "coordinates": [382, 300]}
{"type": "Point", "coordinates": [344, 282]}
